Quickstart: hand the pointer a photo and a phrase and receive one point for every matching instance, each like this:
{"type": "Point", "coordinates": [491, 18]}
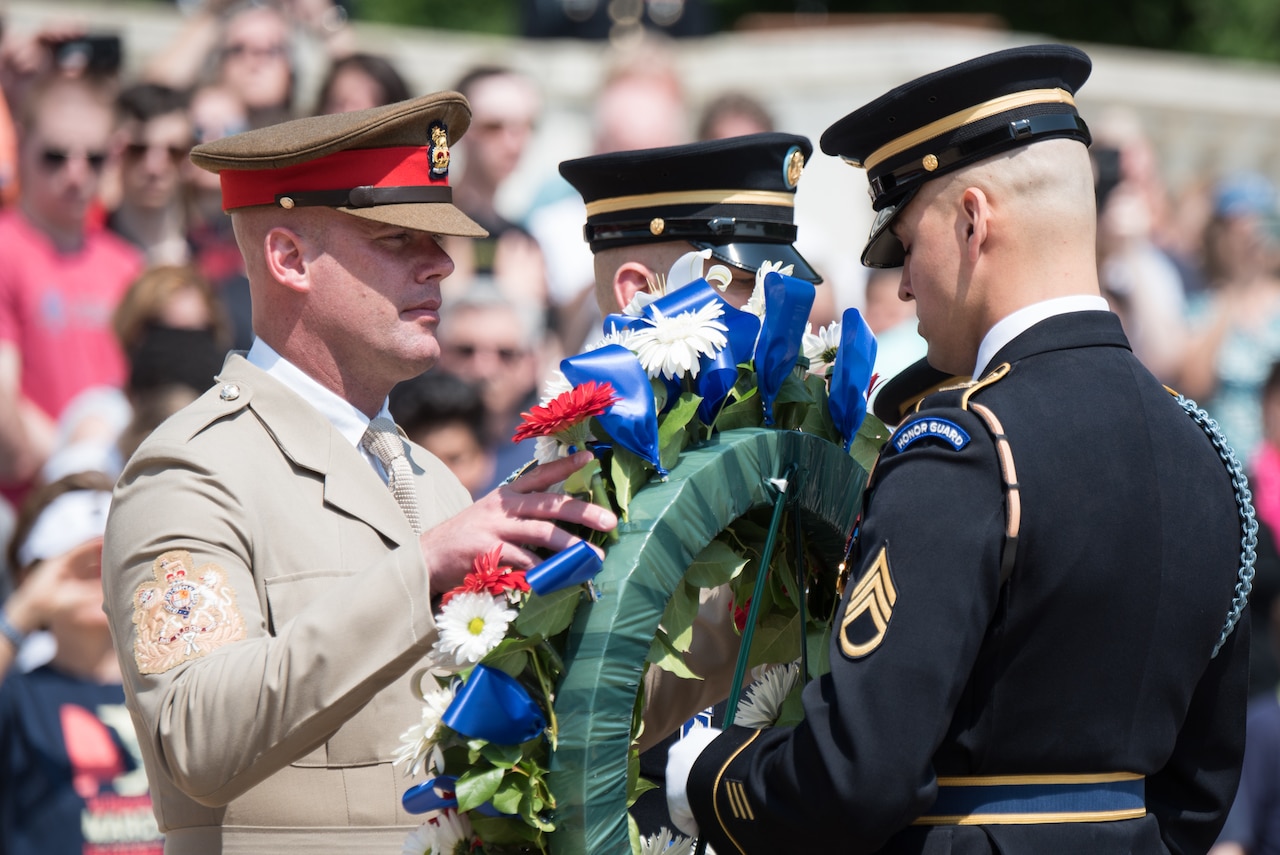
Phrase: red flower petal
{"type": "Point", "coordinates": [566, 410]}
{"type": "Point", "coordinates": [488, 577]}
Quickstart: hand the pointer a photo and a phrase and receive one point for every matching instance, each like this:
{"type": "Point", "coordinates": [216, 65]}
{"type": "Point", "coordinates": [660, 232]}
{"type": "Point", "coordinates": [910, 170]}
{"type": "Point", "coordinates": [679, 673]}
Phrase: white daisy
{"type": "Point", "coordinates": [472, 624]}
{"type": "Point", "coordinates": [557, 384]}
{"type": "Point", "coordinates": [821, 349]}
{"type": "Point", "coordinates": [639, 302]}
{"type": "Point", "coordinates": [755, 305]}
{"type": "Point", "coordinates": [615, 336]}
{"type": "Point", "coordinates": [760, 707]}
{"type": "Point", "coordinates": [547, 449]}
{"type": "Point", "coordinates": [443, 833]}
{"type": "Point", "coordinates": [418, 749]}
{"type": "Point", "coordinates": [671, 346]}
{"type": "Point", "coordinates": [666, 842]}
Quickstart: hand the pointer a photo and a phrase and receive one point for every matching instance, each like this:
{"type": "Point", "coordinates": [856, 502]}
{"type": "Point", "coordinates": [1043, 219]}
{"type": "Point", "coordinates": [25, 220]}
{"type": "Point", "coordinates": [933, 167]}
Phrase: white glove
{"type": "Point", "coordinates": [680, 760]}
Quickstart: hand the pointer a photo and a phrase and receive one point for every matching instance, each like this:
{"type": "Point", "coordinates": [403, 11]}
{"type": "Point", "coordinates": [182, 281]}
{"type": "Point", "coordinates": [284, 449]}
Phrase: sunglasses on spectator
{"type": "Point", "coordinates": [208, 133]}
{"type": "Point", "coordinates": [54, 159]}
{"type": "Point", "coordinates": [137, 151]}
{"type": "Point", "coordinates": [492, 126]}
{"type": "Point", "coordinates": [469, 351]}
{"type": "Point", "coordinates": [236, 51]}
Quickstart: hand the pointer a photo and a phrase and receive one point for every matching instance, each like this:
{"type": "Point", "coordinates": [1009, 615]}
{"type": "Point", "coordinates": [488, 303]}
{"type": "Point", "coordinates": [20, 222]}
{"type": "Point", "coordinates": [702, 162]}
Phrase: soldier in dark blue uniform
{"type": "Point", "coordinates": [1034, 651]}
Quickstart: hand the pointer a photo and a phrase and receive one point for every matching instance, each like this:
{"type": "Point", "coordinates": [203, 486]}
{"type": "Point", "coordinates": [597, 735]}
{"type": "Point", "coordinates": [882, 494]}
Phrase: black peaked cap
{"type": "Point", "coordinates": [734, 196]}
{"type": "Point", "coordinates": [951, 118]}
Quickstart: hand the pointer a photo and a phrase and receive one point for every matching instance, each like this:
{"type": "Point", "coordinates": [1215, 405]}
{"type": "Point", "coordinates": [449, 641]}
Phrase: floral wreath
{"type": "Point", "coordinates": [678, 369]}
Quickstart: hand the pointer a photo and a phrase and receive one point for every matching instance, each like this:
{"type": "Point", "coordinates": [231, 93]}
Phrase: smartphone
{"type": "Point", "coordinates": [95, 53]}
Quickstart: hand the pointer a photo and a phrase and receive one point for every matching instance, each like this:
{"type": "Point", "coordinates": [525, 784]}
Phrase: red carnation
{"type": "Point", "coordinates": [566, 410]}
{"type": "Point", "coordinates": [488, 577]}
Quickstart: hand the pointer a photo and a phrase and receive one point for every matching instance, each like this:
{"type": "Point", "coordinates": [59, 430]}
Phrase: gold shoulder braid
{"type": "Point", "coordinates": [1012, 493]}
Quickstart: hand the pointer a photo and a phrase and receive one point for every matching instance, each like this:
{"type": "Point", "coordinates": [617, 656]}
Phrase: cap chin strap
{"type": "Point", "coordinates": [1018, 131]}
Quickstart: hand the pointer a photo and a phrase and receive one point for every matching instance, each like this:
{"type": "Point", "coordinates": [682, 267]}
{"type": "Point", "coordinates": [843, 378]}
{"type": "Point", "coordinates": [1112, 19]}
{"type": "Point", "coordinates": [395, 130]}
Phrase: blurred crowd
{"type": "Point", "coordinates": [121, 287]}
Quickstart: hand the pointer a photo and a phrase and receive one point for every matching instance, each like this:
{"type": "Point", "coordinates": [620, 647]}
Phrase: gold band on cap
{"type": "Point", "coordinates": [964, 117]}
{"type": "Point", "coordinates": [692, 197]}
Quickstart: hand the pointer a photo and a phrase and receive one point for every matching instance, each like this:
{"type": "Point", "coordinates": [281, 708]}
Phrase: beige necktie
{"type": "Point", "coordinates": [382, 440]}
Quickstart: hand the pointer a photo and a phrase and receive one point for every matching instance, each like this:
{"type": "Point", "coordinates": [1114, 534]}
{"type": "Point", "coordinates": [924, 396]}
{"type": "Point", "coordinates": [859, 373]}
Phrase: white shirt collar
{"type": "Point", "coordinates": [1014, 325]}
{"type": "Point", "coordinates": [344, 417]}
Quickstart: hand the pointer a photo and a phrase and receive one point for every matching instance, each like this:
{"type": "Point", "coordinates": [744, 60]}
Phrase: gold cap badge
{"type": "Point", "coordinates": [795, 166]}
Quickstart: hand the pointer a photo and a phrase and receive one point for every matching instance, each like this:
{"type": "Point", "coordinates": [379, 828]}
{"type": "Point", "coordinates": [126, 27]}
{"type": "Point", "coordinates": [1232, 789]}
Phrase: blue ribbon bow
{"type": "Point", "coordinates": [492, 705]}
{"type": "Point", "coordinates": [717, 372]}
{"type": "Point", "coordinates": [573, 566]}
{"type": "Point", "coordinates": [424, 798]}
{"type": "Point", "coordinates": [632, 421]}
{"type": "Point", "coordinates": [855, 357]}
{"type": "Point", "coordinates": [787, 301]}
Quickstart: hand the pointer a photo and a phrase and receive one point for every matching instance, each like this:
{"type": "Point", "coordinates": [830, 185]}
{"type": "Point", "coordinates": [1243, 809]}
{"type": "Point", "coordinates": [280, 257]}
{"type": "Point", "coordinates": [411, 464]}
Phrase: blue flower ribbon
{"type": "Point", "coordinates": [717, 372]}
{"type": "Point", "coordinates": [424, 798]}
{"type": "Point", "coordinates": [715, 378]}
{"type": "Point", "coordinates": [632, 421]}
{"type": "Point", "coordinates": [573, 566]}
{"type": "Point", "coordinates": [787, 301]}
{"type": "Point", "coordinates": [855, 357]}
{"type": "Point", "coordinates": [492, 705]}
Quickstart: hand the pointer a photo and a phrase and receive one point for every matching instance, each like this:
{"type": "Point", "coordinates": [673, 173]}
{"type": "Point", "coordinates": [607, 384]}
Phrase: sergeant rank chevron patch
{"type": "Point", "coordinates": [866, 617]}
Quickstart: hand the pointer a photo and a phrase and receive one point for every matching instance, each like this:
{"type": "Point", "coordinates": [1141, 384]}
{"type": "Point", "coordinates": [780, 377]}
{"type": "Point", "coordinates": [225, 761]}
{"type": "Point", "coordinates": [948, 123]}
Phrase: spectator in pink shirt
{"type": "Point", "coordinates": [60, 280]}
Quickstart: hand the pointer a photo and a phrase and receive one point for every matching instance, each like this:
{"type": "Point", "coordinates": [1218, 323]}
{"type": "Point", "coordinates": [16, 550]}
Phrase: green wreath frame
{"type": "Point", "coordinates": [669, 524]}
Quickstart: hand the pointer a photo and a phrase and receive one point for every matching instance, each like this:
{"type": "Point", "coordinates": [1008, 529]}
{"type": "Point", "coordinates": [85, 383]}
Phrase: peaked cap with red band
{"type": "Point", "coordinates": [389, 164]}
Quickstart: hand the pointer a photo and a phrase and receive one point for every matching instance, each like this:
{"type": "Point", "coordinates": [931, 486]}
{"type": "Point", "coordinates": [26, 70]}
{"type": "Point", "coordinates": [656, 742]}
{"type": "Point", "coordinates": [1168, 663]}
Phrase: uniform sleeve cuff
{"type": "Point", "coordinates": [717, 790]}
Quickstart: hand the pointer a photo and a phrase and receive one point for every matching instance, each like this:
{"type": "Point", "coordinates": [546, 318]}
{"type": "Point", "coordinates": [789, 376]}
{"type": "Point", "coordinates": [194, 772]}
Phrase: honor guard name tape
{"type": "Point", "coordinates": [943, 429]}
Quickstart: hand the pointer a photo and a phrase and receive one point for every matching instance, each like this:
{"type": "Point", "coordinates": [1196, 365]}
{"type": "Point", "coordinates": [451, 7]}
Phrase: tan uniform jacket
{"type": "Point", "coordinates": [283, 738]}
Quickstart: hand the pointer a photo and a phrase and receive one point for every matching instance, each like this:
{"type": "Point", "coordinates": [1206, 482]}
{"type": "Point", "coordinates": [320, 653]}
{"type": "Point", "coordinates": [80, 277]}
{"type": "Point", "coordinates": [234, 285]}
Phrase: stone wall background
{"type": "Point", "coordinates": [1205, 116]}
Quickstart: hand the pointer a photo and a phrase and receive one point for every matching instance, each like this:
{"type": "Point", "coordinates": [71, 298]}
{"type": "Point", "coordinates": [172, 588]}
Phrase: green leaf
{"type": "Point", "coordinates": [502, 756]}
{"type": "Point", "coordinates": [580, 482]}
{"type": "Point", "coordinates": [633, 834]}
{"type": "Point", "coordinates": [680, 613]}
{"type": "Point", "coordinates": [866, 444]}
{"type": "Point", "coordinates": [669, 452]}
{"type": "Point", "coordinates": [672, 436]}
{"type": "Point", "coordinates": [817, 420]}
{"type": "Point", "coordinates": [636, 785]}
{"type": "Point", "coordinates": [508, 795]}
{"type": "Point", "coordinates": [819, 646]}
{"type": "Point", "coordinates": [777, 639]}
{"type": "Point", "coordinates": [629, 475]}
{"type": "Point", "coordinates": [793, 391]}
{"type": "Point", "coordinates": [505, 831]}
{"type": "Point", "coordinates": [792, 710]}
{"type": "Point", "coordinates": [510, 662]}
{"type": "Point", "coordinates": [666, 657]}
{"type": "Point", "coordinates": [660, 393]}
{"type": "Point", "coordinates": [477, 786]}
{"type": "Point", "coordinates": [678, 416]}
{"type": "Point", "coordinates": [744, 413]}
{"type": "Point", "coordinates": [714, 566]}
{"type": "Point", "coordinates": [550, 615]}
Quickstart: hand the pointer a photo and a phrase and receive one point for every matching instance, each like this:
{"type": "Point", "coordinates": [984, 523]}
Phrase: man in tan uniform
{"type": "Point", "coordinates": [268, 594]}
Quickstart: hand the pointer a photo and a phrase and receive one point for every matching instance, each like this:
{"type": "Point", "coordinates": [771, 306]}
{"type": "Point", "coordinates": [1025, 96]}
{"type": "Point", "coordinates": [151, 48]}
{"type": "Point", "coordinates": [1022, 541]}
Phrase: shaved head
{"type": "Point", "coordinates": [1047, 188]}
